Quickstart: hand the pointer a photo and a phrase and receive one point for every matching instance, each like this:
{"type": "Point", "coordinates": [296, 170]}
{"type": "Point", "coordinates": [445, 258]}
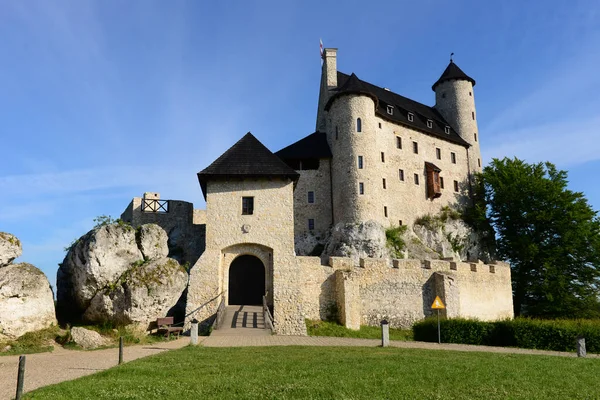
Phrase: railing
{"type": "Point", "coordinates": [267, 315]}
{"type": "Point", "coordinates": [220, 314]}
{"type": "Point", "coordinates": [155, 205]}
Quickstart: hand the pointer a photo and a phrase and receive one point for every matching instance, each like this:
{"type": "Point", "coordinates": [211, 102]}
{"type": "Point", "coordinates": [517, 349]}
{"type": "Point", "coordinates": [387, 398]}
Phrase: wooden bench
{"type": "Point", "coordinates": [165, 325]}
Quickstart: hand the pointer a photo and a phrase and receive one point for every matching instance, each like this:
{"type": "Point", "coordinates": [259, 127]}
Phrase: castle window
{"type": "Point", "coordinates": [415, 147]}
{"type": "Point", "coordinates": [411, 117]}
{"type": "Point", "coordinates": [433, 181]}
{"type": "Point", "coordinates": [447, 129]}
{"type": "Point", "coordinates": [479, 162]}
{"type": "Point", "coordinates": [247, 205]}
{"type": "Point", "coordinates": [399, 222]}
{"type": "Point", "coordinates": [390, 110]}
{"type": "Point", "coordinates": [380, 125]}
{"type": "Point", "coordinates": [401, 174]}
{"type": "Point", "coordinates": [456, 186]}
{"type": "Point", "coordinates": [443, 95]}
{"type": "Point", "coordinates": [438, 153]}
{"type": "Point", "coordinates": [416, 179]}
{"type": "Point", "coordinates": [360, 162]}
{"type": "Point", "coordinates": [441, 182]}
{"type": "Point", "coordinates": [358, 125]}
{"type": "Point", "coordinates": [382, 156]}
{"type": "Point", "coordinates": [398, 142]}
{"type": "Point", "coordinates": [336, 133]}
{"type": "Point", "coordinates": [311, 197]}
{"type": "Point", "coordinates": [473, 115]}
{"type": "Point", "coordinates": [361, 188]}
{"type": "Point", "coordinates": [385, 211]}
{"type": "Point", "coordinates": [453, 158]}
{"type": "Point", "coordinates": [311, 224]}
{"type": "Point", "coordinates": [429, 123]}
{"type": "Point", "coordinates": [470, 94]}
{"type": "Point", "coordinates": [475, 136]}
{"type": "Point", "coordinates": [384, 183]}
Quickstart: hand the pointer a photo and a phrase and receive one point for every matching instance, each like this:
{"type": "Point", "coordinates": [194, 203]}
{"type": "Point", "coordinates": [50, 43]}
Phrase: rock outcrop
{"type": "Point", "coordinates": [357, 241]}
{"type": "Point", "coordinates": [10, 248]}
{"type": "Point", "coordinates": [26, 301]}
{"type": "Point", "coordinates": [86, 338]}
{"type": "Point", "coordinates": [118, 274]}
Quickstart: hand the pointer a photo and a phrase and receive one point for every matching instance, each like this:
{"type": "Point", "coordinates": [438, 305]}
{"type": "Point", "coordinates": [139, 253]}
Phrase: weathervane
{"type": "Point", "coordinates": [451, 54]}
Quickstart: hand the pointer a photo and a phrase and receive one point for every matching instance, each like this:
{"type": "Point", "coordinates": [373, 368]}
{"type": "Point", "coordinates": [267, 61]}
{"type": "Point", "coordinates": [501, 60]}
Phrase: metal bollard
{"type": "Point", "coordinates": [20, 377]}
{"type": "Point", "coordinates": [194, 332]}
{"type": "Point", "coordinates": [581, 347]}
{"type": "Point", "coordinates": [121, 350]}
{"type": "Point", "coordinates": [385, 333]}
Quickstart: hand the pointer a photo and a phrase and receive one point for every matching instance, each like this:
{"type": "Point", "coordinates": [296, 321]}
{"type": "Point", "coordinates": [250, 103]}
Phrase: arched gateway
{"type": "Point", "coordinates": [246, 281]}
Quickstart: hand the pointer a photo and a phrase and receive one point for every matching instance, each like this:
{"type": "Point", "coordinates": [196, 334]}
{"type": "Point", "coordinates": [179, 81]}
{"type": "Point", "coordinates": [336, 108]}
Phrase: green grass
{"type": "Point", "coordinates": [336, 373]}
{"type": "Point", "coordinates": [326, 328]}
{"type": "Point", "coordinates": [32, 342]}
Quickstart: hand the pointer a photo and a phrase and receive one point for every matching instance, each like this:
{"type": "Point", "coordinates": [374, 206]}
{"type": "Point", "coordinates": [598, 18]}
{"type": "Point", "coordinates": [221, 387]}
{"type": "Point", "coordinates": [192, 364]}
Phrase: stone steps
{"type": "Point", "coordinates": [242, 321]}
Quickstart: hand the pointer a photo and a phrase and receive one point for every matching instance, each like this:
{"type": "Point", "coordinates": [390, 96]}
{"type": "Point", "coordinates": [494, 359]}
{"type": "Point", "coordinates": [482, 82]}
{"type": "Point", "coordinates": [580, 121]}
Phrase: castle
{"type": "Point", "coordinates": [375, 156]}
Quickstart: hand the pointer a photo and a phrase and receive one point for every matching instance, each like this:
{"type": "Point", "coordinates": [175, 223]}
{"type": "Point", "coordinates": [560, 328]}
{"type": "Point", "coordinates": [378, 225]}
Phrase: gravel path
{"type": "Point", "coordinates": [62, 365]}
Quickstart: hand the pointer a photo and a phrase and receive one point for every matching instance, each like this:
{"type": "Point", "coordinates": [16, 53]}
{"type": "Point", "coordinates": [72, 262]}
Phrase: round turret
{"type": "Point", "coordinates": [455, 100]}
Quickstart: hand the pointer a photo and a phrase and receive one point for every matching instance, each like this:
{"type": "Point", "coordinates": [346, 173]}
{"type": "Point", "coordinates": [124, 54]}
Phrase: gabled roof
{"type": "Point", "coordinates": [351, 84]}
{"type": "Point", "coordinates": [453, 72]}
{"type": "Point", "coordinates": [312, 146]}
{"type": "Point", "coordinates": [248, 158]}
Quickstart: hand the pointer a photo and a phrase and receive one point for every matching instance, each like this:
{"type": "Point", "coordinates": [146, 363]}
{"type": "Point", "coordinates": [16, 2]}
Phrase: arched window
{"type": "Point", "coordinates": [358, 125]}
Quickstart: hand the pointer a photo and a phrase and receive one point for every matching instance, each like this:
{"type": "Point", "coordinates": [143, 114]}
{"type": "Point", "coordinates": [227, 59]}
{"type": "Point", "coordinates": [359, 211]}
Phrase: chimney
{"type": "Point", "coordinates": [330, 67]}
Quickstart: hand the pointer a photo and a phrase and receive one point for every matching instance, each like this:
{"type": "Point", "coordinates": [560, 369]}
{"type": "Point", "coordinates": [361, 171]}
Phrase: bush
{"type": "Point", "coordinates": [555, 335]}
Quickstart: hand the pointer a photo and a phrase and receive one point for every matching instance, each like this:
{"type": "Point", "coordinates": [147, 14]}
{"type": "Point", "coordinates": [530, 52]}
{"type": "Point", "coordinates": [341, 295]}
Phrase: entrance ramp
{"type": "Point", "coordinates": [242, 321]}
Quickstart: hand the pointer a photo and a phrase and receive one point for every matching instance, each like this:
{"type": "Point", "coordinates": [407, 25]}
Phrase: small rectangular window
{"type": "Point", "coordinates": [311, 197]}
{"type": "Point", "coordinates": [384, 183]}
{"type": "Point", "coordinates": [473, 115]}
{"type": "Point", "coordinates": [398, 142]}
{"type": "Point", "coordinates": [475, 135]}
{"type": "Point", "coordinates": [390, 110]}
{"type": "Point", "coordinates": [447, 129]}
{"type": "Point", "coordinates": [411, 117]}
{"type": "Point", "coordinates": [311, 224]}
{"type": "Point", "coordinates": [416, 179]}
{"type": "Point", "coordinates": [429, 123]}
{"type": "Point", "coordinates": [360, 162]}
{"type": "Point", "coordinates": [247, 205]}
{"type": "Point", "coordinates": [361, 188]}
{"type": "Point", "coordinates": [385, 211]}
{"type": "Point", "coordinates": [441, 182]}
{"type": "Point", "coordinates": [380, 125]}
{"type": "Point", "coordinates": [400, 222]}
{"type": "Point", "coordinates": [415, 147]}
{"type": "Point", "coordinates": [382, 156]}
{"type": "Point", "coordinates": [453, 158]}
{"type": "Point", "coordinates": [401, 174]}
{"type": "Point", "coordinates": [336, 133]}
{"type": "Point", "coordinates": [479, 162]}
{"type": "Point", "coordinates": [456, 186]}
{"type": "Point", "coordinates": [438, 153]}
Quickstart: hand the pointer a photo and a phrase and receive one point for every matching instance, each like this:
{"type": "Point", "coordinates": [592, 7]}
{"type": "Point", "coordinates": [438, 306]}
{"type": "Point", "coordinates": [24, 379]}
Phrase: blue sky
{"type": "Point", "coordinates": [103, 100]}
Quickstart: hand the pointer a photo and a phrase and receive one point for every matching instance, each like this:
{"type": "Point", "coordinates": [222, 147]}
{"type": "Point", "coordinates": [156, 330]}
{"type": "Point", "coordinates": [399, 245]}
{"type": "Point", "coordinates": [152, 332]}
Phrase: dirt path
{"type": "Point", "coordinates": [62, 365]}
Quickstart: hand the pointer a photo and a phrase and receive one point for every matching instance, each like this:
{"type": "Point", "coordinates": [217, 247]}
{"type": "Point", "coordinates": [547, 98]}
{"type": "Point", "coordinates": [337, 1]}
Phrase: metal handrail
{"type": "Point", "coordinates": [220, 313]}
{"type": "Point", "coordinates": [267, 315]}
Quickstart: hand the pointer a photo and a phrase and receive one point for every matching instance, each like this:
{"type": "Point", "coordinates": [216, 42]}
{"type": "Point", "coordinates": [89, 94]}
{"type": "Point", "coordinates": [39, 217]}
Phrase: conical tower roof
{"type": "Point", "coordinates": [453, 72]}
{"type": "Point", "coordinates": [248, 158]}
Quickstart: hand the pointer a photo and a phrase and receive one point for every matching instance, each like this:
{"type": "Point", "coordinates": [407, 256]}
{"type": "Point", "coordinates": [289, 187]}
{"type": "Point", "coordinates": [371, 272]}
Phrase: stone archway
{"type": "Point", "coordinates": [246, 281]}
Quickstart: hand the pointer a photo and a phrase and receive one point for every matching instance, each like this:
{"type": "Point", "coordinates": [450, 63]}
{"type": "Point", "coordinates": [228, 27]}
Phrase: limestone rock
{"type": "Point", "coordinates": [144, 293]}
{"type": "Point", "coordinates": [364, 240]}
{"type": "Point", "coordinates": [26, 301]}
{"type": "Point", "coordinates": [86, 338]}
{"type": "Point", "coordinates": [307, 244]}
{"type": "Point", "coordinates": [10, 248]}
{"type": "Point", "coordinates": [153, 241]}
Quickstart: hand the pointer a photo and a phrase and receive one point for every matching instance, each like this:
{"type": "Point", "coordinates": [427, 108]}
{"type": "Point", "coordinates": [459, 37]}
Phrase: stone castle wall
{"type": "Point", "coordinates": [403, 292]}
{"type": "Point", "coordinates": [319, 182]}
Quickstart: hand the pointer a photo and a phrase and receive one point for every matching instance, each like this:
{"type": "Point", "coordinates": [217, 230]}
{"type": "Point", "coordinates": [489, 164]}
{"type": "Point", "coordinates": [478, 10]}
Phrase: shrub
{"type": "Point", "coordinates": [555, 335]}
{"type": "Point", "coordinates": [394, 241]}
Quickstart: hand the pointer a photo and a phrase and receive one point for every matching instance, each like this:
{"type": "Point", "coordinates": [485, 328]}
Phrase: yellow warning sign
{"type": "Point", "coordinates": [437, 304]}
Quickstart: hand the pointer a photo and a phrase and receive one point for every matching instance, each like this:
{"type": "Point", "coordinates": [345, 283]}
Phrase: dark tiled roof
{"type": "Point", "coordinates": [453, 72]}
{"type": "Point", "coordinates": [313, 146]}
{"type": "Point", "coordinates": [248, 158]}
{"type": "Point", "coordinates": [351, 84]}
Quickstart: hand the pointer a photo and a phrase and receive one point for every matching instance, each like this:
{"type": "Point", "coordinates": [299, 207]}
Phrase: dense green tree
{"type": "Point", "coordinates": [548, 233]}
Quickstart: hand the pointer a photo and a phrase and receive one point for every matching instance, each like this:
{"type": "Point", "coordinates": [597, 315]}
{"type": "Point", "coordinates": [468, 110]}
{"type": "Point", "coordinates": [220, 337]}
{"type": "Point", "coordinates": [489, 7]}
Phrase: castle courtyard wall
{"type": "Point", "coordinates": [319, 182]}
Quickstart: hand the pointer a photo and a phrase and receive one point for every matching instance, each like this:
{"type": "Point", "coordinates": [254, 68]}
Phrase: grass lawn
{"type": "Point", "coordinates": [327, 328]}
{"type": "Point", "coordinates": [336, 373]}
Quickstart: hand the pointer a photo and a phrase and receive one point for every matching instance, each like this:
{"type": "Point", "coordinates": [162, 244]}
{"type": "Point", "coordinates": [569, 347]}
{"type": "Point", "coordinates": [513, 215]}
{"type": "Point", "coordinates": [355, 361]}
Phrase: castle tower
{"type": "Point", "coordinates": [328, 83]}
{"type": "Point", "coordinates": [455, 100]}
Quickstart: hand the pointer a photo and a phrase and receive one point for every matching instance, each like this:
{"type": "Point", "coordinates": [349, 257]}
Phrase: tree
{"type": "Point", "coordinates": [550, 235]}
